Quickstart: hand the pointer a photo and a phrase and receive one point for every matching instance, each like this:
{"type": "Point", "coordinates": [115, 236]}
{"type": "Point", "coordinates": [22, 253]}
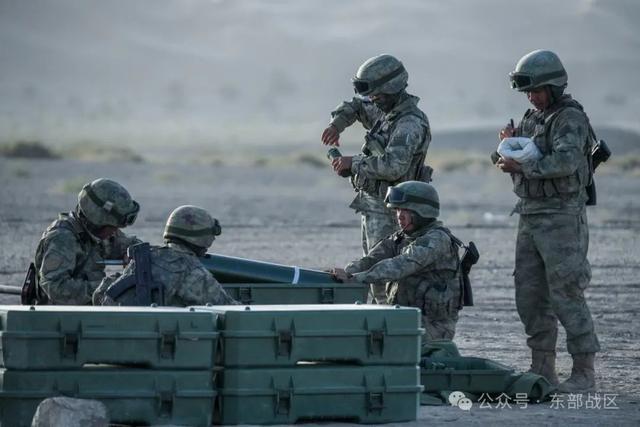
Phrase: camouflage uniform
{"type": "Point", "coordinates": [66, 260]}
{"type": "Point", "coordinates": [404, 136]}
{"type": "Point", "coordinates": [423, 266]}
{"type": "Point", "coordinates": [184, 280]}
{"type": "Point", "coordinates": [552, 270]}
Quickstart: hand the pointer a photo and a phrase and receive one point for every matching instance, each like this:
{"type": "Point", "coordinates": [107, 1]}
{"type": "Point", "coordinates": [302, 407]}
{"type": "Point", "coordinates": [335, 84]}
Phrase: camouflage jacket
{"type": "Point", "coordinates": [66, 260]}
{"type": "Point", "coordinates": [423, 263]}
{"type": "Point", "coordinates": [555, 183]}
{"type": "Point", "coordinates": [183, 278]}
{"type": "Point", "coordinates": [395, 148]}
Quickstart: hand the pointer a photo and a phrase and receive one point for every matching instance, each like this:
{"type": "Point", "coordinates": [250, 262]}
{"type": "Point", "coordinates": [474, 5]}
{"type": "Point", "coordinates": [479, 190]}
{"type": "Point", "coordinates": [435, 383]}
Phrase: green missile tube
{"type": "Point", "coordinates": [228, 269]}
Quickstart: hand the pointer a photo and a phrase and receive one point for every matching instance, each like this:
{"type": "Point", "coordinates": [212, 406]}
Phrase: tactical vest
{"type": "Point", "coordinates": [439, 278]}
{"type": "Point", "coordinates": [540, 131]}
{"type": "Point", "coordinates": [377, 139]}
{"type": "Point", "coordinates": [401, 240]}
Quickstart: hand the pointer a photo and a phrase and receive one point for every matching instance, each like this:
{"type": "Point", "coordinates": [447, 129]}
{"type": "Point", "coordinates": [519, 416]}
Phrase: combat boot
{"type": "Point", "coordinates": [582, 379]}
{"type": "Point", "coordinates": [544, 363]}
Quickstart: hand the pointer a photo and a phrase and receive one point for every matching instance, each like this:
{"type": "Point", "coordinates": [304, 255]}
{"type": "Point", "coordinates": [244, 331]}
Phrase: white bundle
{"type": "Point", "coordinates": [520, 149]}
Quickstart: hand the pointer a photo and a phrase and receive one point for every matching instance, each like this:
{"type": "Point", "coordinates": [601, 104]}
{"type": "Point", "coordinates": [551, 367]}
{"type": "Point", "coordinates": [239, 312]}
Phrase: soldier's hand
{"type": "Point", "coordinates": [506, 132]}
{"type": "Point", "coordinates": [508, 165]}
{"type": "Point", "coordinates": [330, 136]}
{"type": "Point", "coordinates": [342, 165]}
{"type": "Point", "coordinates": [340, 275]}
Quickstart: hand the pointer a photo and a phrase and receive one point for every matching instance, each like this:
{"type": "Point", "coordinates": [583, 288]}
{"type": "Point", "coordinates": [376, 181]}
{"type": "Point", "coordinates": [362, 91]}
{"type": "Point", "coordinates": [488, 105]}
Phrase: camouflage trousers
{"type": "Point", "coordinates": [376, 226]}
{"type": "Point", "coordinates": [551, 274]}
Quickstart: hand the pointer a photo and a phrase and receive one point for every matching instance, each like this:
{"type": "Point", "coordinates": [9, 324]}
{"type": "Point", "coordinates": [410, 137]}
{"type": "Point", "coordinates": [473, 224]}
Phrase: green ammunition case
{"type": "Point", "coordinates": [66, 337]}
{"type": "Point", "coordinates": [282, 335]}
{"type": "Point", "coordinates": [286, 293]}
{"type": "Point", "coordinates": [132, 396]}
{"type": "Point", "coordinates": [372, 394]}
{"type": "Point", "coordinates": [471, 374]}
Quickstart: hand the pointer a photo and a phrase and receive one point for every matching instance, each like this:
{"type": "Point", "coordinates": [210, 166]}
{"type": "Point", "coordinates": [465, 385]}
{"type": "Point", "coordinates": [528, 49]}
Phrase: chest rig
{"type": "Point", "coordinates": [376, 141]}
{"type": "Point", "coordinates": [538, 126]}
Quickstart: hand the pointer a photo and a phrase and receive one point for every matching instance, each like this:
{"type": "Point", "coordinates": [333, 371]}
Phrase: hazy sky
{"type": "Point", "coordinates": [256, 70]}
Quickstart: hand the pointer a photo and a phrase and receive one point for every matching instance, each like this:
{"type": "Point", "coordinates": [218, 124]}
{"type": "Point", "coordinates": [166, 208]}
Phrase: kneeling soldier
{"type": "Point", "coordinates": [67, 267]}
{"type": "Point", "coordinates": [172, 274]}
{"type": "Point", "coordinates": [421, 261]}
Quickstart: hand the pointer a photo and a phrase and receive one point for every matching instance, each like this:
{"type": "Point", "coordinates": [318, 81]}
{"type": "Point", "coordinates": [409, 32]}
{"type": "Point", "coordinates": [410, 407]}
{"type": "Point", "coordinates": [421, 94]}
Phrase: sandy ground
{"type": "Point", "coordinates": [298, 215]}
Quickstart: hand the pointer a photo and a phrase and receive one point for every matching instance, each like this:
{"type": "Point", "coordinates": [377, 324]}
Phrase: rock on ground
{"type": "Point", "coordinates": [69, 412]}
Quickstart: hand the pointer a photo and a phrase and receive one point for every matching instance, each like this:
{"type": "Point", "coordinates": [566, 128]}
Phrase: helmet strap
{"type": "Point", "coordinates": [555, 93]}
{"type": "Point", "coordinates": [91, 228]}
{"type": "Point", "coordinates": [389, 101]}
{"type": "Point", "coordinates": [420, 221]}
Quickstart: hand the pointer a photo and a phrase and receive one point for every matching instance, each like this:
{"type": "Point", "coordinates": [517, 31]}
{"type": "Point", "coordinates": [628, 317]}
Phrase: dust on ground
{"type": "Point", "coordinates": [297, 214]}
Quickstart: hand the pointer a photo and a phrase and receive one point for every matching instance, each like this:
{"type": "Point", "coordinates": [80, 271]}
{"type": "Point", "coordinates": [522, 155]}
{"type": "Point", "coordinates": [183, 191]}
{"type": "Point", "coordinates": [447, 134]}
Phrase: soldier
{"type": "Point", "coordinates": [396, 145]}
{"type": "Point", "coordinates": [66, 260]}
{"type": "Point", "coordinates": [552, 270]}
{"type": "Point", "coordinates": [421, 260]}
{"type": "Point", "coordinates": [175, 270]}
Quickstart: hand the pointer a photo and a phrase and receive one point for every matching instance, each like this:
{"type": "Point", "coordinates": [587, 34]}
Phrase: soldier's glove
{"type": "Point", "coordinates": [340, 275]}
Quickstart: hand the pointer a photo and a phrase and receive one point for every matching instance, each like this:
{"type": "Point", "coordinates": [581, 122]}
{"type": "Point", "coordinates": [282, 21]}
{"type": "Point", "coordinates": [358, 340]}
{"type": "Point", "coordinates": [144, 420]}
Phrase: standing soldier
{"type": "Point", "coordinates": [421, 260]}
{"type": "Point", "coordinates": [395, 147]}
{"type": "Point", "coordinates": [67, 262]}
{"type": "Point", "coordinates": [175, 274]}
{"type": "Point", "coordinates": [552, 270]}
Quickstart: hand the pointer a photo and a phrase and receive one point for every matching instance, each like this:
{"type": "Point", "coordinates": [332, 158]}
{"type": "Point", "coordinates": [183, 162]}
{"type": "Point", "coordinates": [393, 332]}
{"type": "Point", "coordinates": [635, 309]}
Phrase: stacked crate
{"type": "Point", "coordinates": [283, 364]}
{"type": "Point", "coordinates": [224, 364]}
{"type": "Point", "coordinates": [148, 366]}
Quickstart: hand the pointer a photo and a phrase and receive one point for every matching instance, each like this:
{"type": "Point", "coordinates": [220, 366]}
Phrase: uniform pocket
{"type": "Point", "coordinates": [572, 272]}
{"type": "Point", "coordinates": [438, 304]}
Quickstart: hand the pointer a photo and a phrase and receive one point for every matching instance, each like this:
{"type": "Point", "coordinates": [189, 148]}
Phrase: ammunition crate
{"type": "Point", "coordinates": [471, 374]}
{"type": "Point", "coordinates": [265, 335]}
{"type": "Point", "coordinates": [65, 337]}
{"type": "Point", "coordinates": [372, 394]}
{"type": "Point", "coordinates": [132, 396]}
{"type": "Point", "coordinates": [286, 293]}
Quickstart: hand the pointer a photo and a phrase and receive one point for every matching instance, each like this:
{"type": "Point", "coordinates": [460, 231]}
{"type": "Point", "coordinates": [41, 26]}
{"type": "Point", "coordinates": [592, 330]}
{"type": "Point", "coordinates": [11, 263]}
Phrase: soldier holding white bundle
{"type": "Point", "coordinates": [552, 270]}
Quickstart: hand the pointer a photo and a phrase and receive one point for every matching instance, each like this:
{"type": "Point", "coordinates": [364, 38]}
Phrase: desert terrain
{"type": "Point", "coordinates": [294, 211]}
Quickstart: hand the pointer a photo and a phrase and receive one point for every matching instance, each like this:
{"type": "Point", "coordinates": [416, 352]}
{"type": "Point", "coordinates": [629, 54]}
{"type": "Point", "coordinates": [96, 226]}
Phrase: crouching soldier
{"type": "Point", "coordinates": [420, 262]}
{"type": "Point", "coordinates": [171, 274]}
{"type": "Point", "coordinates": [67, 267]}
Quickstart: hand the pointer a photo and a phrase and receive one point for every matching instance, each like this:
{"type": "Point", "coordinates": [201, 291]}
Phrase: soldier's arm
{"type": "Point", "coordinates": [58, 264]}
{"type": "Point", "coordinates": [358, 109]}
{"type": "Point", "coordinates": [116, 246]}
{"type": "Point", "coordinates": [199, 287]}
{"type": "Point", "coordinates": [99, 295]}
{"type": "Point", "coordinates": [415, 257]}
{"type": "Point", "coordinates": [569, 134]}
{"type": "Point", "coordinates": [216, 293]}
{"type": "Point", "coordinates": [383, 249]}
{"type": "Point", "coordinates": [404, 141]}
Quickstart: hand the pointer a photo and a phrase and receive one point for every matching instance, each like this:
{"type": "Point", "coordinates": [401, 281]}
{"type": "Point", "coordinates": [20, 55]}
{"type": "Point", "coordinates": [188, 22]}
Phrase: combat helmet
{"type": "Point", "coordinates": [380, 74]}
{"type": "Point", "coordinates": [537, 69]}
{"type": "Point", "coordinates": [193, 225]}
{"type": "Point", "coordinates": [417, 196]}
{"type": "Point", "coordinates": [104, 202]}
